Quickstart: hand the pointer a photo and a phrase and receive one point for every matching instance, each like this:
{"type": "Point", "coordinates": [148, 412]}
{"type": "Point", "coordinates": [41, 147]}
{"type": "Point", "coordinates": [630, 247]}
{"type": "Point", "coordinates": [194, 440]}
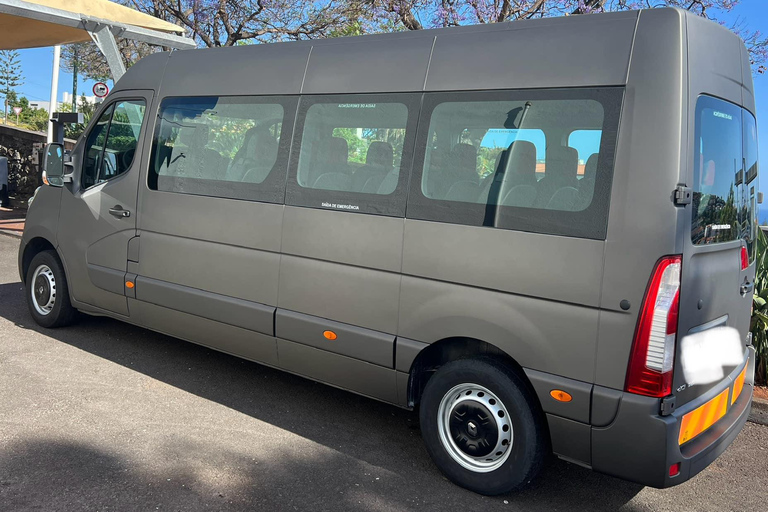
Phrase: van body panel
{"type": "Point", "coordinates": [605, 405]}
{"type": "Point", "coordinates": [505, 260]}
{"type": "Point", "coordinates": [406, 352]}
{"type": "Point", "coordinates": [213, 306]}
{"type": "Point", "coordinates": [748, 86]}
{"type": "Point", "coordinates": [614, 345]}
{"type": "Point", "coordinates": [520, 46]}
{"type": "Point", "coordinates": [577, 408]}
{"type": "Point", "coordinates": [369, 241]}
{"type": "Point", "coordinates": [233, 340]}
{"type": "Point", "coordinates": [251, 274]}
{"type": "Point", "coordinates": [107, 279]}
{"type": "Point", "coordinates": [570, 439]}
{"type": "Point", "coordinates": [548, 336]}
{"type": "Point", "coordinates": [189, 216]}
{"type": "Point", "coordinates": [42, 221]}
{"type": "Point", "coordinates": [364, 344]}
{"type": "Point", "coordinates": [358, 296]}
{"type": "Point", "coordinates": [338, 370]}
{"type": "Point", "coordinates": [286, 64]}
{"type": "Point", "coordinates": [397, 66]}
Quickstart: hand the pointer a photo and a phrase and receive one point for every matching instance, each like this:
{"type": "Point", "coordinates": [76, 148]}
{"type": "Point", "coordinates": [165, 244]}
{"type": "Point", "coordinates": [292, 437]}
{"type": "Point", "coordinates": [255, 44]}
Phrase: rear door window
{"type": "Point", "coordinates": [721, 205]}
{"type": "Point", "coordinates": [749, 206]}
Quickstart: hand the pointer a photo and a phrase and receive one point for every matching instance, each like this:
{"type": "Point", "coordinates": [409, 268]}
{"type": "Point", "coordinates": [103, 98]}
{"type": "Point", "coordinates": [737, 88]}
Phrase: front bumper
{"type": "Point", "coordinates": [640, 445]}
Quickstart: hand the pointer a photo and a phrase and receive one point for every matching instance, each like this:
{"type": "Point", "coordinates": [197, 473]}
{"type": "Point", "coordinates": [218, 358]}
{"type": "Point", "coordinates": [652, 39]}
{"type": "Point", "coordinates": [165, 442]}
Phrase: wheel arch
{"type": "Point", "coordinates": [433, 356]}
{"type": "Point", "coordinates": [35, 246]}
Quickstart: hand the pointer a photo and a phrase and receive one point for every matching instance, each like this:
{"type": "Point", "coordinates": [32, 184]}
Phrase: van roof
{"type": "Point", "coordinates": [574, 51]}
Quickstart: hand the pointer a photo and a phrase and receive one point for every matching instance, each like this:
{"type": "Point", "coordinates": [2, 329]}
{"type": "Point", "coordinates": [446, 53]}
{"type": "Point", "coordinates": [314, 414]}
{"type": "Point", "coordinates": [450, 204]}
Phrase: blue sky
{"type": "Point", "coordinates": [37, 67]}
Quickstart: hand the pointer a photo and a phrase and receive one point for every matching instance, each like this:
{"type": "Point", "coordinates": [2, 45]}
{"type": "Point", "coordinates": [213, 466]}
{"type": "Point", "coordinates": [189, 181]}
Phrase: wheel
{"type": "Point", "coordinates": [482, 426]}
{"type": "Point", "coordinates": [47, 292]}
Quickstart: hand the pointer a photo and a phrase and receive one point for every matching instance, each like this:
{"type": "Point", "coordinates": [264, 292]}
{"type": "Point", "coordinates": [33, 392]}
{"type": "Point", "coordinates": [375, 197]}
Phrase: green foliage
{"type": "Point", "coordinates": [759, 324]}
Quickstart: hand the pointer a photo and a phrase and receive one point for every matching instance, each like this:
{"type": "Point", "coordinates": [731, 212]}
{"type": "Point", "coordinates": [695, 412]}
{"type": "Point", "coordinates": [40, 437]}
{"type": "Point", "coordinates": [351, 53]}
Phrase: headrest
{"type": "Point", "coordinates": [590, 168]}
{"type": "Point", "coordinates": [562, 162]}
{"type": "Point", "coordinates": [464, 157]}
{"type": "Point", "coordinates": [521, 156]}
{"type": "Point", "coordinates": [380, 153]}
{"type": "Point", "coordinates": [262, 146]}
{"type": "Point", "coordinates": [337, 150]}
{"type": "Point", "coordinates": [200, 137]}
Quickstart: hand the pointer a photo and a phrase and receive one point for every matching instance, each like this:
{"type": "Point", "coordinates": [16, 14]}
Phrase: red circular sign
{"type": "Point", "coordinates": [100, 89]}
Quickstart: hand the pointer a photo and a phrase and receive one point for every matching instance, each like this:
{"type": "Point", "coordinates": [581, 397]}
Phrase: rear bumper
{"type": "Point", "coordinates": [640, 445]}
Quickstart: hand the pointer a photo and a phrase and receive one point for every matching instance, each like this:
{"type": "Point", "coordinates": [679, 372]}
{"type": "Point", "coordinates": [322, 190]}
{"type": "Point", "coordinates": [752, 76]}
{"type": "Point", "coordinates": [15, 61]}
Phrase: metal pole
{"type": "Point", "coordinates": [54, 90]}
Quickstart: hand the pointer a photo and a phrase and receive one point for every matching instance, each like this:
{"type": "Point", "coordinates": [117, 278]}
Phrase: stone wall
{"type": "Point", "coordinates": [23, 174]}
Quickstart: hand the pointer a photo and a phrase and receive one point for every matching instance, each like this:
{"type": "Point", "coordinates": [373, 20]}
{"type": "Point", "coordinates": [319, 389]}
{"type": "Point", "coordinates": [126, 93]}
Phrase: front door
{"type": "Point", "coordinates": [98, 207]}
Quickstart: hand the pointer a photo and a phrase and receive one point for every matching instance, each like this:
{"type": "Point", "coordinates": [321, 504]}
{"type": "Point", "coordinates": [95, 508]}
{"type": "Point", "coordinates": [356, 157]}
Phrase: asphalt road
{"type": "Point", "coordinates": [106, 416]}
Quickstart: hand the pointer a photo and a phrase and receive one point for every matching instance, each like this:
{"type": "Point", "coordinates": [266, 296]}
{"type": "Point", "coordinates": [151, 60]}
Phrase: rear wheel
{"type": "Point", "coordinates": [47, 291]}
{"type": "Point", "coordinates": [482, 427]}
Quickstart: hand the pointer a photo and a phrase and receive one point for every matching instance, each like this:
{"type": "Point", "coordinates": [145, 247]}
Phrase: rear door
{"type": "Point", "coordinates": [718, 261]}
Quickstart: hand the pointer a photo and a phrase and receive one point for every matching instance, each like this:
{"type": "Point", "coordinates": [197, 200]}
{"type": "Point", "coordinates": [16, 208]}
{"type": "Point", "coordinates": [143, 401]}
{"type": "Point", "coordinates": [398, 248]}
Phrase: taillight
{"type": "Point", "coordinates": [744, 258]}
{"type": "Point", "coordinates": [653, 350]}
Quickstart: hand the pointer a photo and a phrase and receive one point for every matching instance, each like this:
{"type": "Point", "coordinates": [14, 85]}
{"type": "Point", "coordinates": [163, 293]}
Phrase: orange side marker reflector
{"type": "Point", "coordinates": [129, 284]}
{"type": "Point", "coordinates": [329, 335]}
{"type": "Point", "coordinates": [739, 385]}
{"type": "Point", "coordinates": [700, 419]}
{"type": "Point", "coordinates": [560, 395]}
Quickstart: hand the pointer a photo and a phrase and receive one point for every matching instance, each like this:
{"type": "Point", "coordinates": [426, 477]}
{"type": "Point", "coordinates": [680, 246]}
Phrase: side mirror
{"type": "Point", "coordinates": [53, 166]}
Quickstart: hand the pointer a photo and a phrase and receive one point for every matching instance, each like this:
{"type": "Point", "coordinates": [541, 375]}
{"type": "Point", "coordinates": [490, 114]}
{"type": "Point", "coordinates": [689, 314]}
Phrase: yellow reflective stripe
{"type": "Point", "coordinates": [701, 418]}
{"type": "Point", "coordinates": [739, 385]}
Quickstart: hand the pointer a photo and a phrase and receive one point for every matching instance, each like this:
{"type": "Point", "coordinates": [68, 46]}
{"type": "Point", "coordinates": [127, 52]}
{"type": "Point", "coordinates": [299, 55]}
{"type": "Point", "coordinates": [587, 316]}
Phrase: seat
{"type": "Point", "coordinates": [262, 157]}
{"type": "Point", "coordinates": [515, 166]}
{"type": "Point", "coordinates": [587, 183]}
{"type": "Point", "coordinates": [521, 196]}
{"type": "Point", "coordinates": [566, 198]}
{"type": "Point", "coordinates": [561, 171]}
{"type": "Point", "coordinates": [460, 170]}
{"type": "Point", "coordinates": [379, 161]}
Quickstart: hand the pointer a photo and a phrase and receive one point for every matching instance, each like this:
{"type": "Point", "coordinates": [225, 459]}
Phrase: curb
{"type": "Point", "coordinates": [10, 233]}
{"type": "Point", "coordinates": [759, 412]}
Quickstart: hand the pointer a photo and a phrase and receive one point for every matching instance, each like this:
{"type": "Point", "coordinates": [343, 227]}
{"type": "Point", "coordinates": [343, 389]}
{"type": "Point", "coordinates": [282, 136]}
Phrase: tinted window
{"type": "Point", "coordinates": [749, 206]}
{"type": "Point", "coordinates": [718, 177]}
{"type": "Point", "coordinates": [353, 153]}
{"type": "Point", "coordinates": [221, 146]}
{"type": "Point", "coordinates": [535, 161]}
{"type": "Point", "coordinates": [111, 145]}
{"type": "Point", "coordinates": [352, 147]}
{"type": "Point", "coordinates": [94, 149]}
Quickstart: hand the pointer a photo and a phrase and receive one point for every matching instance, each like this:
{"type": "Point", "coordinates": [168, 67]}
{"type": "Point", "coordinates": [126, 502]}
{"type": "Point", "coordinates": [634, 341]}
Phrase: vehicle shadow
{"type": "Point", "coordinates": [370, 432]}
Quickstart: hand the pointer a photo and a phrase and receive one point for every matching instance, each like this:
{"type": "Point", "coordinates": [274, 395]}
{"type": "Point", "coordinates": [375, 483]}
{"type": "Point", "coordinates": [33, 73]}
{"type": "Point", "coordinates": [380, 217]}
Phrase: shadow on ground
{"type": "Point", "coordinates": [370, 432]}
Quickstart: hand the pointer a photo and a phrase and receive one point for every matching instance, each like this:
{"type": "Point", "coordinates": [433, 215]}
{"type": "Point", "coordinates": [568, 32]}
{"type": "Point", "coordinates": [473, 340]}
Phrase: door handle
{"type": "Point", "coordinates": [119, 212]}
{"type": "Point", "coordinates": [746, 288]}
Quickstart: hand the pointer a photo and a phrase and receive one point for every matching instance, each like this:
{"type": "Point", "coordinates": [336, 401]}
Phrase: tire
{"type": "Point", "coordinates": [47, 291]}
{"type": "Point", "coordinates": [462, 406]}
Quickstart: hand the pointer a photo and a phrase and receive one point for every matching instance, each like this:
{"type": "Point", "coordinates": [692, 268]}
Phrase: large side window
{"type": "Point", "coordinates": [111, 144]}
{"type": "Point", "coordinates": [718, 176]}
{"type": "Point", "coordinates": [537, 161]}
{"type": "Point", "coordinates": [233, 147]}
{"type": "Point", "coordinates": [354, 153]}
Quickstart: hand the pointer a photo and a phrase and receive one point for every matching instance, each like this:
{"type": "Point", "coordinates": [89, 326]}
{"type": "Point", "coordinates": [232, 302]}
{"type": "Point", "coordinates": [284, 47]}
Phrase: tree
{"type": "Point", "coordinates": [89, 62]}
{"type": "Point", "coordinates": [226, 23]}
{"type": "Point", "coordinates": [418, 14]}
{"type": "Point", "coordinates": [10, 76]}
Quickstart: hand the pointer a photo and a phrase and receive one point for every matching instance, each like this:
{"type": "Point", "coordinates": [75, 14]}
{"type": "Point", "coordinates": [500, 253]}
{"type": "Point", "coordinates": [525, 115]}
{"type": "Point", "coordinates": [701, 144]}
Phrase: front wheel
{"type": "Point", "coordinates": [47, 292]}
{"type": "Point", "coordinates": [482, 426]}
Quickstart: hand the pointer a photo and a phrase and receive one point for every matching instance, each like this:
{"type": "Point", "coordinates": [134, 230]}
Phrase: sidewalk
{"type": "Point", "coordinates": [12, 221]}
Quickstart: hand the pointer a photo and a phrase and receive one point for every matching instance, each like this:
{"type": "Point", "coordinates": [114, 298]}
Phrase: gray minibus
{"type": "Point", "coordinates": [540, 234]}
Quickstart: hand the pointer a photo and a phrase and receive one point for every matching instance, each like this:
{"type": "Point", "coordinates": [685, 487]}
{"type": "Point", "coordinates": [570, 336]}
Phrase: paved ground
{"type": "Point", "coordinates": [12, 221]}
{"type": "Point", "coordinates": [106, 416]}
